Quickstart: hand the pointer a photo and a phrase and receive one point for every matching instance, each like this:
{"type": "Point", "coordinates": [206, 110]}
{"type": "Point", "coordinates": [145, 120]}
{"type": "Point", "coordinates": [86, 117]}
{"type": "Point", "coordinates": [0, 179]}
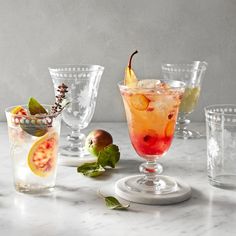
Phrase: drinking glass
{"type": "Point", "coordinates": [221, 145]}
{"type": "Point", "coordinates": [191, 74]}
{"type": "Point", "coordinates": [83, 82]}
{"type": "Point", "coordinates": [33, 149]}
{"type": "Point", "coordinates": [151, 112]}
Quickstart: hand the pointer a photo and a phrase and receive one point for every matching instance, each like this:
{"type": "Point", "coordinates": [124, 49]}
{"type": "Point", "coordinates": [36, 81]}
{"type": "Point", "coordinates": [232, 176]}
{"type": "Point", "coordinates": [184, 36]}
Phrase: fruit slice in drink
{"type": "Point", "coordinates": [18, 112]}
{"type": "Point", "coordinates": [139, 102]}
{"type": "Point", "coordinates": [42, 155]}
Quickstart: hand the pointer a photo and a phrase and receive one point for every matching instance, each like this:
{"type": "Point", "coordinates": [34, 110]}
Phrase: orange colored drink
{"type": "Point", "coordinates": [151, 110]}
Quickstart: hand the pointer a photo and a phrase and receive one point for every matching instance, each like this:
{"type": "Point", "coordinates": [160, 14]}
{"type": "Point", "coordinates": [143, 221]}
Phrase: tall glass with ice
{"type": "Point", "coordinates": [33, 148]}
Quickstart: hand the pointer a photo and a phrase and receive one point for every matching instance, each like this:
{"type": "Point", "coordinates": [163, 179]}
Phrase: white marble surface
{"type": "Point", "coordinates": [75, 209]}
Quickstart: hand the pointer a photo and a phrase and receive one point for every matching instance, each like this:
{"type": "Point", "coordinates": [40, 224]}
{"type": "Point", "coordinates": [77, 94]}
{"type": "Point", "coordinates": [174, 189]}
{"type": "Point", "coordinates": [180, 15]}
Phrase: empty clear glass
{"type": "Point", "coordinates": [221, 145]}
{"type": "Point", "coordinates": [192, 74]}
{"type": "Point", "coordinates": [83, 82]}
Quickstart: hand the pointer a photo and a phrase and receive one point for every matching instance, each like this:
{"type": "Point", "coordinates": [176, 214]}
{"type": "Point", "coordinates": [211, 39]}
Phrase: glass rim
{"type": "Point", "coordinates": [8, 111]}
{"type": "Point", "coordinates": [122, 85]}
{"type": "Point", "coordinates": [185, 64]}
{"type": "Point", "coordinates": [54, 68]}
{"type": "Point", "coordinates": [208, 111]}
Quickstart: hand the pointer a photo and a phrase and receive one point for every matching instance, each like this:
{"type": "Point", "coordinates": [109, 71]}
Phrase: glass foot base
{"type": "Point", "coordinates": [75, 161]}
{"type": "Point", "coordinates": [223, 181]}
{"type": "Point", "coordinates": [68, 151]}
{"type": "Point", "coordinates": [73, 156]}
{"type": "Point", "coordinates": [172, 191]}
{"type": "Point", "coordinates": [33, 188]}
{"type": "Point", "coordinates": [187, 134]}
{"type": "Point", "coordinates": [160, 185]}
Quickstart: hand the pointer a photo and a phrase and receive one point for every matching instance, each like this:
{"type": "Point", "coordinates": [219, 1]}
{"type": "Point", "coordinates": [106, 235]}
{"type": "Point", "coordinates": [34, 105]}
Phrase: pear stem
{"type": "Point", "coordinates": [130, 59]}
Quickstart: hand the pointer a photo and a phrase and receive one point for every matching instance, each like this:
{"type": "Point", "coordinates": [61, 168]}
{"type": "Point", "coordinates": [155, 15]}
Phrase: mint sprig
{"type": "Point", "coordinates": [108, 157]}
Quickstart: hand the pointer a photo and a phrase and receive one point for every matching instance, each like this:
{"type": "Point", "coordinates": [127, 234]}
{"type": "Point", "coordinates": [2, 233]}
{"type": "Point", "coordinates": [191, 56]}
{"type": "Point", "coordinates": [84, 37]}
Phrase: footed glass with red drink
{"type": "Point", "coordinates": [151, 110]}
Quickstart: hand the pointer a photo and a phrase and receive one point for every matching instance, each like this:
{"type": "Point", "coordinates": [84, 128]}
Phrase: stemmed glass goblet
{"type": "Point", "coordinates": [82, 82]}
{"type": "Point", "coordinates": [151, 111]}
{"type": "Point", "coordinates": [191, 74]}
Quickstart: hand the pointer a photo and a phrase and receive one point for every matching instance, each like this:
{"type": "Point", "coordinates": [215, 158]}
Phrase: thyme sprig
{"type": "Point", "coordinates": [58, 106]}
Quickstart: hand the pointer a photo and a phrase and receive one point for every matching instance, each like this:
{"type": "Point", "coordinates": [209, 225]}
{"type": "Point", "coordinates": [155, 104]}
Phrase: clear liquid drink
{"type": "Point", "coordinates": [33, 149]}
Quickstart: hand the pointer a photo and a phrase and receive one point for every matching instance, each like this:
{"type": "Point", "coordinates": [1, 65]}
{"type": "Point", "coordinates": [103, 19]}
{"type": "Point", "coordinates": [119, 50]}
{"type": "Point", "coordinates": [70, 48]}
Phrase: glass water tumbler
{"type": "Point", "coordinates": [221, 145]}
{"type": "Point", "coordinates": [83, 82]}
{"type": "Point", "coordinates": [33, 149]}
{"type": "Point", "coordinates": [191, 74]}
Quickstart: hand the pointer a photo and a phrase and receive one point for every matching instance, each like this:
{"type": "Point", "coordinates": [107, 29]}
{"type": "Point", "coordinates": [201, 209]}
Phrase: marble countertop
{"type": "Point", "coordinates": [74, 208]}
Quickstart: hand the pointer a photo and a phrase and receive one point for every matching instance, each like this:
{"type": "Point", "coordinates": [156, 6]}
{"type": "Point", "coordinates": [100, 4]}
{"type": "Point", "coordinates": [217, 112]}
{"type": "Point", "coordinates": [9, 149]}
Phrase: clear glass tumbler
{"type": "Point", "coordinates": [221, 145]}
{"type": "Point", "coordinates": [192, 74]}
{"type": "Point", "coordinates": [83, 82]}
{"type": "Point", "coordinates": [33, 148]}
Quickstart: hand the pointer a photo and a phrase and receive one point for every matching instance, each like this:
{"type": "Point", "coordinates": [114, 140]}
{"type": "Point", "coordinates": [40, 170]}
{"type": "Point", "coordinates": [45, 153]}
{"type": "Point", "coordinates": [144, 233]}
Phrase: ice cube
{"type": "Point", "coordinates": [148, 83]}
{"type": "Point", "coordinates": [162, 86]}
{"type": "Point", "coordinates": [163, 104]}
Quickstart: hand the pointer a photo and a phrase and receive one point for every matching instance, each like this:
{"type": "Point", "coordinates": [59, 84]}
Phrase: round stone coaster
{"type": "Point", "coordinates": [182, 193]}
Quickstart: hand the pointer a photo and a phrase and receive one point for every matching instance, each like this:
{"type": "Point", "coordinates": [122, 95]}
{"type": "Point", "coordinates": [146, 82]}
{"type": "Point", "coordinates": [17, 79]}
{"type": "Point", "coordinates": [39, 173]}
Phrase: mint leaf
{"type": "Point", "coordinates": [109, 156]}
{"type": "Point", "coordinates": [113, 204]}
{"type": "Point", "coordinates": [91, 169]}
{"type": "Point", "coordinates": [35, 107]}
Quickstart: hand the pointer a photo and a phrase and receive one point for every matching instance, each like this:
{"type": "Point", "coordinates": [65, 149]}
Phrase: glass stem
{"type": "Point", "coordinates": [76, 140]}
{"type": "Point", "coordinates": [151, 169]}
{"type": "Point", "coordinates": [182, 122]}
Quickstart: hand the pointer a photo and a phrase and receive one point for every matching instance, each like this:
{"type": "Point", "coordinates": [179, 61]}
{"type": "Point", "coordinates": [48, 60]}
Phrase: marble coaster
{"type": "Point", "coordinates": [74, 161]}
{"type": "Point", "coordinates": [183, 193]}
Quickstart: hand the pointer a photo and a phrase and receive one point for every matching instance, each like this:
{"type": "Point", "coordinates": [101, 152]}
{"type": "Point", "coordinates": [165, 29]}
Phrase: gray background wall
{"type": "Point", "coordinates": [38, 33]}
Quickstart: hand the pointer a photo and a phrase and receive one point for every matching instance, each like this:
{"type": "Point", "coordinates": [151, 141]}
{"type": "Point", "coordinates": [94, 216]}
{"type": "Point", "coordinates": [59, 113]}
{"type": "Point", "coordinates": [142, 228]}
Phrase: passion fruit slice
{"type": "Point", "coordinates": [42, 155]}
{"type": "Point", "coordinates": [139, 102]}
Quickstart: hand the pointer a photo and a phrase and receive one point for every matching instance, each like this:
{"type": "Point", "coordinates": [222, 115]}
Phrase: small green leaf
{"type": "Point", "coordinates": [35, 107]}
{"type": "Point", "coordinates": [113, 204]}
{"type": "Point", "coordinates": [109, 156]}
{"type": "Point", "coordinates": [91, 169]}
